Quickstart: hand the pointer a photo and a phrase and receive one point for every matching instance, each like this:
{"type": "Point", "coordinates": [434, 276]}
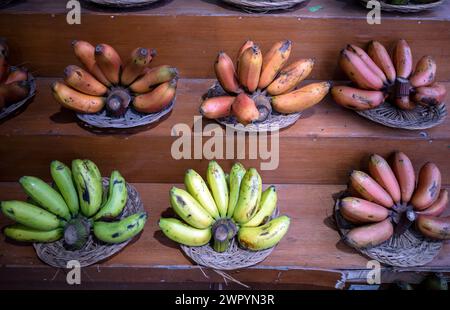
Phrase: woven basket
{"type": "Point", "coordinates": [10, 109]}
{"type": "Point", "coordinates": [263, 6]}
{"type": "Point", "coordinates": [55, 254]}
{"type": "Point", "coordinates": [122, 3]}
{"type": "Point", "coordinates": [419, 118]}
{"type": "Point", "coordinates": [275, 121]}
{"type": "Point", "coordinates": [410, 8]}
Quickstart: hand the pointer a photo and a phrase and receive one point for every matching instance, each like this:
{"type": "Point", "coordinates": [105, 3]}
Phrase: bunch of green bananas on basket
{"type": "Point", "coordinates": [72, 207]}
{"type": "Point", "coordinates": [222, 207]}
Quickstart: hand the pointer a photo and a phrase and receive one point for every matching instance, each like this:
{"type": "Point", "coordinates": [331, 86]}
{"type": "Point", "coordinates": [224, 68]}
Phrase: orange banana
{"type": "Point", "coordinates": [425, 72]}
{"type": "Point", "coordinates": [370, 235]}
{"type": "Point", "coordinates": [358, 71]}
{"type": "Point", "coordinates": [225, 73]}
{"type": "Point", "coordinates": [381, 57]}
{"type": "Point", "coordinates": [357, 99]}
{"type": "Point", "coordinates": [83, 81]}
{"type": "Point", "coordinates": [85, 53]}
{"type": "Point", "coordinates": [404, 172]}
{"type": "Point", "coordinates": [109, 62]}
{"type": "Point", "coordinates": [369, 189]}
{"type": "Point", "coordinates": [217, 107]}
{"type": "Point", "coordinates": [368, 61]}
{"type": "Point", "coordinates": [434, 227]}
{"type": "Point", "coordinates": [403, 60]}
{"type": "Point", "coordinates": [157, 99]}
{"type": "Point", "coordinates": [244, 108]}
{"type": "Point", "coordinates": [291, 76]}
{"type": "Point", "coordinates": [273, 61]}
{"type": "Point", "coordinates": [74, 100]}
{"type": "Point", "coordinates": [247, 44]}
{"type": "Point", "coordinates": [428, 187]}
{"type": "Point", "coordinates": [14, 92]}
{"type": "Point", "coordinates": [249, 69]}
{"type": "Point", "coordinates": [430, 95]}
{"type": "Point", "coordinates": [140, 58]}
{"type": "Point", "coordinates": [362, 211]}
{"type": "Point", "coordinates": [382, 173]}
{"type": "Point", "coordinates": [438, 207]}
{"type": "Point", "coordinates": [16, 75]}
{"type": "Point", "coordinates": [153, 77]}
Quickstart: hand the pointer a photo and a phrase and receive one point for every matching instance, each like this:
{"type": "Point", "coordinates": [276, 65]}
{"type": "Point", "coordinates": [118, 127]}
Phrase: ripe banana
{"type": "Point", "coordinates": [153, 77]}
{"type": "Point", "coordinates": [380, 170]}
{"type": "Point", "coordinates": [184, 234]}
{"type": "Point", "coordinates": [249, 197]}
{"type": "Point", "coordinates": [157, 99]}
{"type": "Point", "coordinates": [249, 70]}
{"type": "Point", "coordinates": [290, 77]}
{"type": "Point", "coordinates": [23, 233]}
{"type": "Point", "coordinates": [109, 62]}
{"type": "Point", "coordinates": [358, 71]}
{"type": "Point", "coordinates": [217, 107]}
{"type": "Point", "coordinates": [218, 185]}
{"type": "Point", "coordinates": [403, 60]}
{"type": "Point", "coordinates": [438, 207]}
{"type": "Point", "coordinates": [245, 110]}
{"type": "Point", "coordinates": [14, 92]}
{"type": "Point", "coordinates": [362, 211]}
{"type": "Point", "coordinates": [85, 53]}
{"type": "Point", "coordinates": [225, 73]}
{"type": "Point", "coordinates": [265, 236]}
{"type": "Point", "coordinates": [428, 187]}
{"type": "Point", "coordinates": [369, 189]}
{"type": "Point", "coordinates": [88, 182]}
{"type": "Point", "coordinates": [118, 232]}
{"type": "Point", "coordinates": [273, 62]}
{"type": "Point", "coordinates": [235, 178]}
{"type": "Point", "coordinates": [117, 199]}
{"type": "Point", "coordinates": [357, 99]}
{"type": "Point", "coordinates": [139, 60]}
{"type": "Point", "coordinates": [247, 44]}
{"type": "Point", "coordinates": [16, 75]}
{"type": "Point", "coordinates": [198, 189]}
{"type": "Point", "coordinates": [30, 215]}
{"type": "Point", "coordinates": [368, 61]}
{"type": "Point", "coordinates": [370, 235]}
{"type": "Point", "coordinates": [74, 100]}
{"type": "Point", "coordinates": [404, 172]}
{"type": "Point", "coordinates": [62, 176]}
{"type": "Point", "coordinates": [301, 99]}
{"type": "Point", "coordinates": [267, 206]}
{"type": "Point", "coordinates": [425, 72]}
{"type": "Point", "coordinates": [434, 227]}
{"type": "Point", "coordinates": [186, 207]}
{"type": "Point", "coordinates": [381, 57]}
{"type": "Point", "coordinates": [83, 81]}
{"type": "Point", "coordinates": [430, 95]}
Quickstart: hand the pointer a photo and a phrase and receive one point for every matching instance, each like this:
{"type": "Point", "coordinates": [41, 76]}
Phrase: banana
{"type": "Point", "coordinates": [184, 234]}
{"type": "Point", "coordinates": [273, 62]}
{"type": "Point", "coordinates": [368, 61]}
{"type": "Point", "coordinates": [291, 76]}
{"type": "Point", "coordinates": [381, 57]}
{"type": "Point", "coordinates": [249, 70]}
{"type": "Point", "coordinates": [109, 62]}
{"type": "Point", "coordinates": [428, 187]}
{"type": "Point", "coordinates": [89, 186]}
{"type": "Point", "coordinates": [249, 197]}
{"type": "Point", "coordinates": [74, 100]}
{"type": "Point", "coordinates": [186, 207]}
{"type": "Point", "coordinates": [369, 189]}
{"type": "Point", "coordinates": [404, 103]}
{"type": "Point", "coordinates": [404, 172]}
{"type": "Point", "coordinates": [16, 75]}
{"type": "Point", "coordinates": [235, 178]}
{"type": "Point", "coordinates": [30, 215]}
{"type": "Point", "coordinates": [380, 170]}
{"type": "Point", "coordinates": [357, 70]}
{"type": "Point", "coordinates": [357, 99]}
{"type": "Point", "coordinates": [225, 73]}
{"type": "Point", "coordinates": [403, 60]}
{"type": "Point", "coordinates": [198, 189]}
{"type": "Point", "coordinates": [301, 99]}
{"type": "Point", "coordinates": [118, 232]}
{"type": "Point", "coordinates": [83, 81]}
{"type": "Point", "coordinates": [62, 176]}
{"type": "Point", "coordinates": [14, 92]}
{"type": "Point", "coordinates": [157, 99]}
{"type": "Point", "coordinates": [438, 207]}
{"type": "Point", "coordinates": [245, 110]}
{"type": "Point", "coordinates": [218, 185]}
{"type": "Point", "coordinates": [247, 44]}
{"type": "Point", "coordinates": [23, 233]}
{"type": "Point", "coordinates": [429, 95]}
{"type": "Point", "coordinates": [152, 77]}
{"type": "Point", "coordinates": [267, 206]}
{"type": "Point", "coordinates": [45, 196]}
{"type": "Point", "coordinates": [85, 53]}
{"type": "Point", "coordinates": [434, 227]}
{"type": "Point", "coordinates": [425, 72]}
{"type": "Point", "coordinates": [370, 235]}
{"type": "Point", "coordinates": [362, 211]}
{"type": "Point", "coordinates": [217, 107]}
{"type": "Point", "coordinates": [139, 60]}
{"type": "Point", "coordinates": [265, 236]}
{"type": "Point", "coordinates": [117, 198]}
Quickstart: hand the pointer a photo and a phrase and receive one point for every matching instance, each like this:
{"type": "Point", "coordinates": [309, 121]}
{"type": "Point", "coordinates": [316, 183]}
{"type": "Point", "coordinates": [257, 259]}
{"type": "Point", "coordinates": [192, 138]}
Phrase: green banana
{"type": "Point", "coordinates": [23, 233]}
{"type": "Point", "coordinates": [117, 198]}
{"type": "Point", "coordinates": [118, 232]}
{"type": "Point", "coordinates": [197, 187]}
{"type": "Point", "coordinates": [236, 175]}
{"type": "Point", "coordinates": [45, 196]}
{"type": "Point", "coordinates": [30, 215]}
{"type": "Point", "coordinates": [88, 182]}
{"type": "Point", "coordinates": [62, 176]}
{"type": "Point", "coordinates": [179, 232]}
{"type": "Point", "coordinates": [264, 237]}
{"type": "Point", "coordinates": [219, 187]}
{"type": "Point", "coordinates": [189, 209]}
{"type": "Point", "coordinates": [249, 196]}
{"type": "Point", "coordinates": [266, 207]}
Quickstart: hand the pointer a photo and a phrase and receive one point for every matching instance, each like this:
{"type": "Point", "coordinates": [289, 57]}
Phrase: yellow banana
{"type": "Point", "coordinates": [197, 187]}
{"type": "Point", "coordinates": [235, 178]}
{"type": "Point", "coordinates": [218, 185]}
{"type": "Point", "coordinates": [267, 206]}
{"type": "Point", "coordinates": [249, 197]}
{"type": "Point", "coordinates": [189, 209]}
{"type": "Point", "coordinates": [184, 234]}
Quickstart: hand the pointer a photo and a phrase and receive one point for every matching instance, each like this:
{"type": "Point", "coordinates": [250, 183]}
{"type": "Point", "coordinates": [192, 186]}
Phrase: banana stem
{"type": "Point", "coordinates": [221, 240]}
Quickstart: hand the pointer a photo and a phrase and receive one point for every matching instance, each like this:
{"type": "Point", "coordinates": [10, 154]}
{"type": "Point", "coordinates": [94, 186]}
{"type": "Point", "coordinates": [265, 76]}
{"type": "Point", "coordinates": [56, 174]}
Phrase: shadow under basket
{"type": "Point", "coordinates": [407, 8]}
{"type": "Point", "coordinates": [263, 6]}
{"type": "Point", "coordinates": [11, 108]}
{"type": "Point", "coordinates": [57, 255]}
{"type": "Point", "coordinates": [122, 3]}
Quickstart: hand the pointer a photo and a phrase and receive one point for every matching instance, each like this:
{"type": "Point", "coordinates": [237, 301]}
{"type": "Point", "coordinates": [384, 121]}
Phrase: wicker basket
{"type": "Point", "coordinates": [10, 109]}
{"type": "Point", "coordinates": [410, 8]}
{"type": "Point", "coordinates": [264, 6]}
{"type": "Point", "coordinates": [122, 3]}
{"type": "Point", "coordinates": [55, 254]}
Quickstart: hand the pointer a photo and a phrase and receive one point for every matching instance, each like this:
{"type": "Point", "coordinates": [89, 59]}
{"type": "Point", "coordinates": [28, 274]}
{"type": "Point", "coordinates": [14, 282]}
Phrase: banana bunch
{"type": "Point", "coordinates": [107, 81]}
{"type": "Point", "coordinates": [218, 210]}
{"type": "Point", "coordinates": [14, 84]}
{"type": "Point", "coordinates": [257, 76]}
{"type": "Point", "coordinates": [75, 204]}
{"type": "Point", "coordinates": [388, 190]}
{"type": "Point", "coordinates": [376, 76]}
